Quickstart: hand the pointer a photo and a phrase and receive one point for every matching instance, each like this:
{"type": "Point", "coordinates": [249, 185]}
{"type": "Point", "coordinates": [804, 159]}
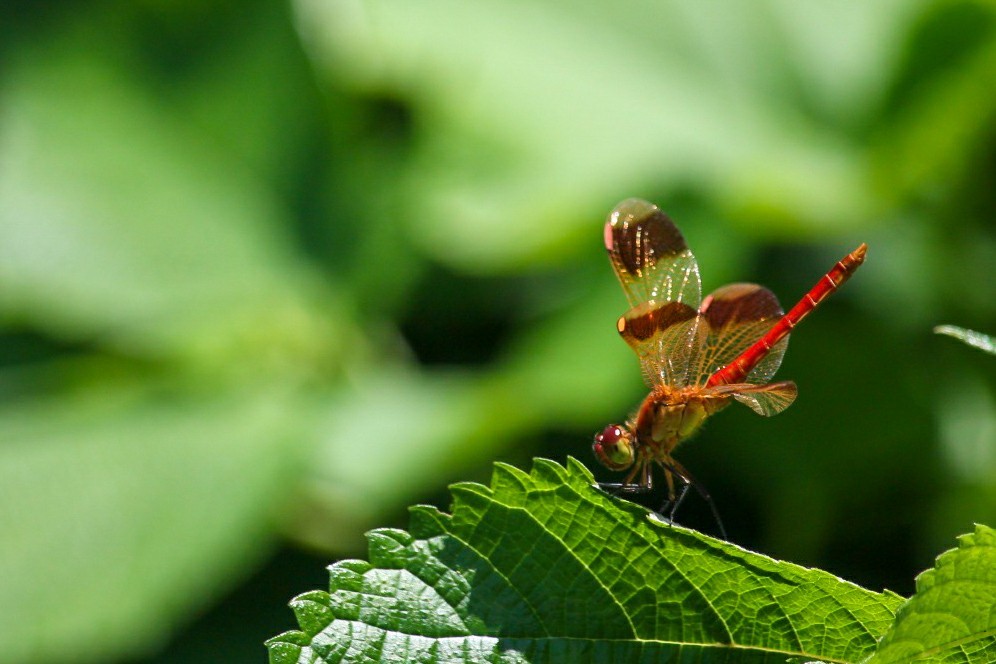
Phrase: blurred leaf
{"type": "Point", "coordinates": [253, 91]}
{"type": "Point", "coordinates": [392, 435]}
{"type": "Point", "coordinates": [120, 223]}
{"type": "Point", "coordinates": [970, 337]}
{"type": "Point", "coordinates": [542, 567]}
{"type": "Point", "coordinates": [398, 432]}
{"type": "Point", "coordinates": [522, 138]}
{"type": "Point", "coordinates": [126, 508]}
{"type": "Point", "coordinates": [966, 423]}
{"type": "Point", "coordinates": [938, 127]}
{"type": "Point", "coordinates": [952, 616]}
{"type": "Point", "coordinates": [844, 85]}
{"type": "Point", "coordinates": [136, 491]}
{"type": "Point", "coordinates": [571, 367]}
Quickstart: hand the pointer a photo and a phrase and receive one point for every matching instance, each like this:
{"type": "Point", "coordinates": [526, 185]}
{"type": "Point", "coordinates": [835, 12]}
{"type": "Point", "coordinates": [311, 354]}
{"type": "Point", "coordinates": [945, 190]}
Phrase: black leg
{"type": "Point", "coordinates": [646, 485]}
{"type": "Point", "coordinates": [616, 488]}
{"type": "Point", "coordinates": [686, 477]}
{"type": "Point", "coordinates": [671, 505]}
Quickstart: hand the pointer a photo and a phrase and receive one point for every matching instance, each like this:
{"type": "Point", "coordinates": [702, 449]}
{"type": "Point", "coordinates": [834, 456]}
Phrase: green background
{"type": "Point", "coordinates": [270, 272]}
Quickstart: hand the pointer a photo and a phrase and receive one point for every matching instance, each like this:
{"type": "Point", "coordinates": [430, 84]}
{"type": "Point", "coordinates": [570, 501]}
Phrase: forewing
{"type": "Point", "coordinates": [734, 317]}
{"type": "Point", "coordinates": [650, 256]}
{"type": "Point", "coordinates": [666, 337]}
{"type": "Point", "coordinates": [766, 400]}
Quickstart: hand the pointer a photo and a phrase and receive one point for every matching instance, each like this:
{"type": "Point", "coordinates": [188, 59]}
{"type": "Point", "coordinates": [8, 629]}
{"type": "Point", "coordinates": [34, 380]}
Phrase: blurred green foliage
{"type": "Point", "coordinates": [271, 271]}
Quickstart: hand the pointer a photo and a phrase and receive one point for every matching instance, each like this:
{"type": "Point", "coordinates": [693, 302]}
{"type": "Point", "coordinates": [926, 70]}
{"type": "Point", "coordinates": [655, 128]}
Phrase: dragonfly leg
{"type": "Point", "coordinates": [671, 505]}
{"type": "Point", "coordinates": [689, 481]}
{"type": "Point", "coordinates": [675, 498]}
{"type": "Point", "coordinates": [617, 488]}
{"type": "Point", "coordinates": [645, 485]}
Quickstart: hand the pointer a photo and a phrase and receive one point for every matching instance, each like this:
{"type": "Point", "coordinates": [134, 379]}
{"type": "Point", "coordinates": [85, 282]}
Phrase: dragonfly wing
{"type": "Point", "coordinates": [667, 337]}
{"type": "Point", "coordinates": [661, 280]}
{"type": "Point", "coordinates": [650, 256]}
{"type": "Point", "coordinates": [734, 317]}
{"type": "Point", "coordinates": [766, 400]}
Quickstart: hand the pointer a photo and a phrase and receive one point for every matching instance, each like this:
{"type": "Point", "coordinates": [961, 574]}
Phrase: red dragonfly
{"type": "Point", "coordinates": [697, 355]}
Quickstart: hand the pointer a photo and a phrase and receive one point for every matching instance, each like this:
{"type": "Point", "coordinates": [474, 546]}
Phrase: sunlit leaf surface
{"type": "Point", "coordinates": [952, 616]}
{"type": "Point", "coordinates": [545, 568]}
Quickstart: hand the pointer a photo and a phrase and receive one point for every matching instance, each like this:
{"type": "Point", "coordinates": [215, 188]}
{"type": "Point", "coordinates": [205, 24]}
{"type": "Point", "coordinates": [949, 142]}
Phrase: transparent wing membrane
{"type": "Point", "coordinates": [766, 400]}
{"type": "Point", "coordinates": [666, 338]}
{"type": "Point", "coordinates": [650, 256]}
{"type": "Point", "coordinates": [735, 316]}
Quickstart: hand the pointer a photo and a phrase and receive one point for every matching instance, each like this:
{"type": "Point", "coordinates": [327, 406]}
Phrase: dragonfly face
{"type": "Point", "coordinates": [697, 354]}
{"type": "Point", "coordinates": [615, 447]}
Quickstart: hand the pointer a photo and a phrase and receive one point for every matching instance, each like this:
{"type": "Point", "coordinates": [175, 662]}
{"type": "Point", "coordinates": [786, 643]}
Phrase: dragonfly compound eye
{"type": "Point", "coordinates": [613, 447]}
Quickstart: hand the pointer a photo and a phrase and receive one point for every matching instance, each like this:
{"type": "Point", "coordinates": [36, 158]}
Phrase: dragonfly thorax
{"type": "Point", "coordinates": [668, 417]}
{"type": "Point", "coordinates": [674, 422]}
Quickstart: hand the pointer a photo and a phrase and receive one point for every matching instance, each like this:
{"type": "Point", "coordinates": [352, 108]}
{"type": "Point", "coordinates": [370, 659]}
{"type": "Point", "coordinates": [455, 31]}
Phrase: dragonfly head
{"type": "Point", "coordinates": [614, 447]}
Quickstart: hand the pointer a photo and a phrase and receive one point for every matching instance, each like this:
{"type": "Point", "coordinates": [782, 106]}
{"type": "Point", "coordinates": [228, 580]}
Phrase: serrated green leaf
{"type": "Point", "coordinates": [543, 567]}
{"type": "Point", "coordinates": [952, 615]}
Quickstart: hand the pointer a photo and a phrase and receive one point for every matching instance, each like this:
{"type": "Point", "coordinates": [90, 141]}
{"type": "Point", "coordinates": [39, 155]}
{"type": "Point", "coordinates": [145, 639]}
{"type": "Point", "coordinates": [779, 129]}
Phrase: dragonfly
{"type": "Point", "coordinates": [696, 355]}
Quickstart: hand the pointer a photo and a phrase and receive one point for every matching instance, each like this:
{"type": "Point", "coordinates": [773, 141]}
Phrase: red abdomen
{"type": "Point", "coordinates": [737, 370]}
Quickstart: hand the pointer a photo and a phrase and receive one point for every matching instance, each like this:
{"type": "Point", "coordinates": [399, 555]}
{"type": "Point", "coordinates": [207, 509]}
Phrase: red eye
{"type": "Point", "coordinates": [613, 447]}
